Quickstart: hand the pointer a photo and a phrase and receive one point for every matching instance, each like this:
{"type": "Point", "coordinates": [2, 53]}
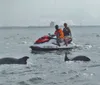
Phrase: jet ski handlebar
{"type": "Point", "coordinates": [51, 35]}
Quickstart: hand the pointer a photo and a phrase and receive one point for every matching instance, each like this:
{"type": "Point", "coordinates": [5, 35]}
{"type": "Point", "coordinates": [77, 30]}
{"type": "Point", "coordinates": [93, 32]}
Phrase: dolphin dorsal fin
{"type": "Point", "coordinates": [66, 58]}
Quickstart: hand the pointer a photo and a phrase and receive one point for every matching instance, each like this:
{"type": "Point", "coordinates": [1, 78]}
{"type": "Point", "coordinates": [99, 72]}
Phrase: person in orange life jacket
{"type": "Point", "coordinates": [59, 35]}
{"type": "Point", "coordinates": [67, 34]}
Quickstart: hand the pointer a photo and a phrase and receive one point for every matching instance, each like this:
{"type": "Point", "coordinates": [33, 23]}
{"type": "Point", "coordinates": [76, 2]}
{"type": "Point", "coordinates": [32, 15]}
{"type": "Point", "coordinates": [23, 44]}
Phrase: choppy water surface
{"type": "Point", "coordinates": [50, 68]}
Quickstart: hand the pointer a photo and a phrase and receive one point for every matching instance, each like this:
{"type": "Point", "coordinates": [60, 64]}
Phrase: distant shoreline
{"type": "Point", "coordinates": [48, 26]}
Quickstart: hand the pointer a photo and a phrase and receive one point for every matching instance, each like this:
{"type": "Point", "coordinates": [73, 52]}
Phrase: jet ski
{"type": "Point", "coordinates": [48, 43]}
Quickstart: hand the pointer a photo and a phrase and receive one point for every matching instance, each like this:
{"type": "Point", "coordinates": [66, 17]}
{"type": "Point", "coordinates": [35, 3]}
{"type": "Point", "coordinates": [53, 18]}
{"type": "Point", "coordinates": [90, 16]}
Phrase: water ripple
{"type": "Point", "coordinates": [23, 83]}
{"type": "Point", "coordinates": [35, 80]}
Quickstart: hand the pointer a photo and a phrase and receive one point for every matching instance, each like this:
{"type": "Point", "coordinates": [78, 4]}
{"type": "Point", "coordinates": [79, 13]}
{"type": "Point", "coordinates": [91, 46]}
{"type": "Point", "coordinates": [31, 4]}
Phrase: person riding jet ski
{"type": "Point", "coordinates": [59, 35]}
{"type": "Point", "coordinates": [67, 34]}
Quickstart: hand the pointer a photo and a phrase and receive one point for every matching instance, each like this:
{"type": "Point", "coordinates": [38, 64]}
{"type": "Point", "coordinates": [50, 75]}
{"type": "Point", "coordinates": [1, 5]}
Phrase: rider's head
{"type": "Point", "coordinates": [65, 24]}
{"type": "Point", "coordinates": [56, 27]}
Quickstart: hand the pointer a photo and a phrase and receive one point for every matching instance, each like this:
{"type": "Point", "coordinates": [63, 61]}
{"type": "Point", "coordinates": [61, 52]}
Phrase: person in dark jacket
{"type": "Point", "coordinates": [67, 34]}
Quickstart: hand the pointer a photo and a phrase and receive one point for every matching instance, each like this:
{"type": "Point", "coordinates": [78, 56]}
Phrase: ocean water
{"type": "Point", "coordinates": [49, 68]}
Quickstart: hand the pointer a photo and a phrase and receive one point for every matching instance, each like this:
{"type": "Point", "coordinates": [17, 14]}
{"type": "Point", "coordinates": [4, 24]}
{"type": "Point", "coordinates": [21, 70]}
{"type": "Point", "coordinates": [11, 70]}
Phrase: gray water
{"type": "Point", "coordinates": [50, 68]}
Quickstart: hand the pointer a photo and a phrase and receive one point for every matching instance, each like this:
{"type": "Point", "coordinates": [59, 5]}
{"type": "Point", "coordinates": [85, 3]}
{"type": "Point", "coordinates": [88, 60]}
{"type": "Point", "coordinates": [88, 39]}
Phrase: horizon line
{"type": "Point", "coordinates": [48, 26]}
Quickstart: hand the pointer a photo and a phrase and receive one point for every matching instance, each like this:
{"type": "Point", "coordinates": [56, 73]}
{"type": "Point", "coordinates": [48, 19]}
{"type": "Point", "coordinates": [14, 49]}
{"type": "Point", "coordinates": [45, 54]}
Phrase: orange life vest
{"type": "Point", "coordinates": [59, 33]}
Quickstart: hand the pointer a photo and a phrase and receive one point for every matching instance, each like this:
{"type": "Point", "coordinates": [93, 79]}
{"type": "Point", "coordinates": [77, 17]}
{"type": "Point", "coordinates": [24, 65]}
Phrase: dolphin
{"type": "Point", "coordinates": [8, 60]}
{"type": "Point", "coordinates": [77, 58]}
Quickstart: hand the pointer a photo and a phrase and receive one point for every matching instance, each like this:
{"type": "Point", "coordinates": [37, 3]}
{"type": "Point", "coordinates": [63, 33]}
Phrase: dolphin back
{"type": "Point", "coordinates": [8, 61]}
{"type": "Point", "coordinates": [22, 60]}
{"type": "Point", "coordinates": [81, 58]}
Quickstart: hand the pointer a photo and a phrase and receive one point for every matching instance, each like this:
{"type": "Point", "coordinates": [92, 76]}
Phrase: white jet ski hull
{"type": "Point", "coordinates": [51, 47]}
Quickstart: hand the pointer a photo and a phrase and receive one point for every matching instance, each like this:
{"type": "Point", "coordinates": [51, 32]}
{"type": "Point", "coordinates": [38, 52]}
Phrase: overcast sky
{"type": "Point", "coordinates": [41, 12]}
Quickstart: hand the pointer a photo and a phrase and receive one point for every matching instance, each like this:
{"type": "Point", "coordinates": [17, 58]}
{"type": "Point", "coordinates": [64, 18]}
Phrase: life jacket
{"type": "Point", "coordinates": [59, 33]}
